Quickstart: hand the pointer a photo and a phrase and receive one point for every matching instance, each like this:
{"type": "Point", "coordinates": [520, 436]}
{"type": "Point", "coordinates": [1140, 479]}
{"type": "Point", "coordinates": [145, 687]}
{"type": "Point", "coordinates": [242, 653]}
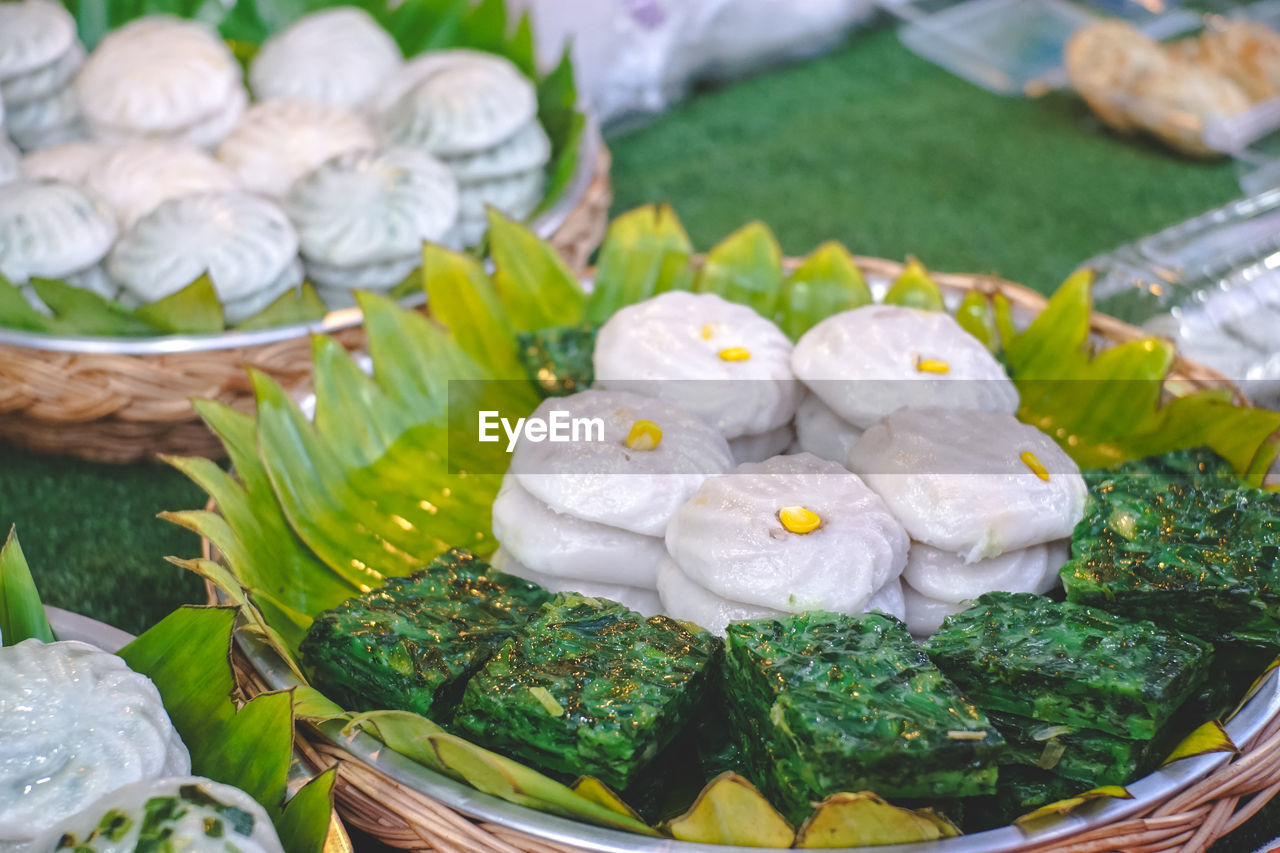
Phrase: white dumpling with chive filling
{"type": "Point", "coordinates": [527, 150]}
{"type": "Point", "coordinates": [822, 432]}
{"type": "Point", "coordinates": [70, 163]}
{"type": "Point", "coordinates": [75, 724]}
{"type": "Point", "coordinates": [946, 576]}
{"type": "Point", "coordinates": [643, 600]}
{"type": "Point", "coordinates": [793, 533]}
{"type": "Point", "coordinates": [10, 160]}
{"type": "Point", "coordinates": [160, 77]}
{"type": "Point", "coordinates": [868, 362]}
{"type": "Point", "coordinates": [49, 229]}
{"type": "Point", "coordinates": [710, 357]}
{"type": "Point", "coordinates": [191, 814]}
{"type": "Point", "coordinates": [515, 195]}
{"type": "Point", "coordinates": [652, 458]}
{"type": "Point", "coordinates": [33, 34]}
{"type": "Point", "coordinates": [413, 71]}
{"type": "Point", "coordinates": [365, 215]}
{"type": "Point", "coordinates": [335, 56]}
{"type": "Point", "coordinates": [45, 81]}
{"type": "Point", "coordinates": [558, 544]}
{"type": "Point", "coordinates": [278, 141]}
{"type": "Point", "coordinates": [977, 484]}
{"type": "Point", "coordinates": [461, 106]}
{"type": "Point", "coordinates": [55, 120]}
{"type": "Point", "coordinates": [134, 179]}
{"type": "Point", "coordinates": [245, 244]}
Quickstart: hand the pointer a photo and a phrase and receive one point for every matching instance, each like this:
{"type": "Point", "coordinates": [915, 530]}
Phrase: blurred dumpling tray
{"type": "Point", "coordinates": [181, 199]}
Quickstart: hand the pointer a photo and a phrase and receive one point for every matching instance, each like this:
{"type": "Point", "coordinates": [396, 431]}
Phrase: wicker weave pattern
{"type": "Point", "coordinates": [122, 408]}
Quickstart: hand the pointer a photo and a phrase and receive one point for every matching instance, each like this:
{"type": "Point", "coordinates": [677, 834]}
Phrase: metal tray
{"type": "Point", "coordinates": [544, 225]}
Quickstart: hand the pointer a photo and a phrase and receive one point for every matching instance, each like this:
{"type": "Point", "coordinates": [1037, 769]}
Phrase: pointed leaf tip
{"type": "Point", "coordinates": [22, 616]}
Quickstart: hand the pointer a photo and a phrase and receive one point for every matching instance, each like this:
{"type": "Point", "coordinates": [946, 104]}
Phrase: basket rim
{"type": "Point", "coordinates": [590, 148]}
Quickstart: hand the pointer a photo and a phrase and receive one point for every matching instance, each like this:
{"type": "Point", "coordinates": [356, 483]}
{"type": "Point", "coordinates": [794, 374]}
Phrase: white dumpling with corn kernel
{"type": "Point", "coordinates": [651, 458]}
{"type": "Point", "coordinates": [977, 484]}
{"type": "Point", "coordinates": [94, 726]}
{"type": "Point", "coordinates": [946, 576]}
{"type": "Point", "coordinates": [710, 357]}
{"type": "Point", "coordinates": [793, 533]}
{"type": "Point", "coordinates": [868, 362]}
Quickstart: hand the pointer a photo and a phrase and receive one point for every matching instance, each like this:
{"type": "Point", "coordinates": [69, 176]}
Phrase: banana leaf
{"type": "Point", "coordinates": [22, 615]}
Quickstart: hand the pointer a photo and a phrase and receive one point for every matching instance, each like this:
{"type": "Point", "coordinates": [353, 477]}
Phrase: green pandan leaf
{"type": "Point", "coordinates": [745, 267]}
{"type": "Point", "coordinates": [464, 299]}
{"type": "Point", "coordinates": [193, 310]}
{"type": "Point", "coordinates": [485, 27]}
{"type": "Point", "coordinates": [730, 810]}
{"type": "Point", "coordinates": [914, 288]}
{"type": "Point", "coordinates": [79, 312]}
{"type": "Point", "coordinates": [1055, 344]}
{"type": "Point", "coordinates": [522, 50]}
{"type": "Point", "coordinates": [308, 819]}
{"type": "Point", "coordinates": [827, 283]}
{"type": "Point", "coordinates": [357, 420]}
{"type": "Point", "coordinates": [533, 282]}
{"type": "Point", "coordinates": [645, 252]}
{"type": "Point", "coordinates": [977, 316]}
{"type": "Point", "coordinates": [420, 25]}
{"type": "Point", "coordinates": [16, 312]}
{"type": "Point", "coordinates": [303, 305]}
{"type": "Point", "coordinates": [565, 125]}
{"type": "Point", "coordinates": [22, 615]}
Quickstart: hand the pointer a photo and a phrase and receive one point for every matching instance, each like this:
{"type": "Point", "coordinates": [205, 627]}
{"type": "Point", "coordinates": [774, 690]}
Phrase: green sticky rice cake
{"type": "Point", "coordinates": [411, 643]}
{"type": "Point", "coordinates": [589, 687]}
{"type": "Point", "coordinates": [1088, 756]}
{"type": "Point", "coordinates": [825, 703]}
{"type": "Point", "coordinates": [1178, 540]}
{"type": "Point", "coordinates": [558, 360]}
{"type": "Point", "coordinates": [1065, 663]}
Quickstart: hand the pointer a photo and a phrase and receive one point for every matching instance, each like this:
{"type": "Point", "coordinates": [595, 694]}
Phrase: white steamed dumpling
{"type": "Point", "coordinates": [33, 35]}
{"type": "Point", "coordinates": [760, 446]}
{"type": "Point", "coordinates": [134, 179]}
{"type": "Point", "coordinates": [70, 163]}
{"type": "Point", "coordinates": [160, 77]}
{"type": "Point", "coordinates": [54, 120]}
{"type": "Point", "coordinates": [556, 544]}
{"type": "Point", "coordinates": [608, 481]}
{"type": "Point", "coordinates": [946, 576]}
{"type": "Point", "coordinates": [889, 599]}
{"type": "Point", "coordinates": [689, 601]}
{"type": "Point", "coordinates": [731, 537]}
{"type": "Point", "coordinates": [462, 106]}
{"type": "Point", "coordinates": [710, 357]}
{"type": "Point", "coordinates": [822, 432]}
{"type": "Point", "coordinates": [202, 823]}
{"type": "Point", "coordinates": [924, 615]}
{"type": "Point", "coordinates": [96, 727]}
{"type": "Point", "coordinates": [50, 229]}
{"type": "Point", "coordinates": [973, 483]}
{"type": "Point", "coordinates": [278, 141]}
{"type": "Point", "coordinates": [10, 160]}
{"type": "Point", "coordinates": [870, 361]}
{"type": "Point", "coordinates": [367, 207]}
{"type": "Point", "coordinates": [412, 72]}
{"type": "Point", "coordinates": [244, 242]}
{"type": "Point", "coordinates": [643, 600]}
{"type": "Point", "coordinates": [335, 56]}
{"type": "Point", "coordinates": [527, 150]}
{"type": "Point", "coordinates": [515, 195]}
{"type": "Point", "coordinates": [46, 81]}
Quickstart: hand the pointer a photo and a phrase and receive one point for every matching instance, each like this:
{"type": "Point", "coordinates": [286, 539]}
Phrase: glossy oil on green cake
{"type": "Point", "coordinates": [1086, 755]}
{"type": "Point", "coordinates": [589, 687]}
{"type": "Point", "coordinates": [825, 703]}
{"type": "Point", "coordinates": [1178, 540]}
{"type": "Point", "coordinates": [405, 645]}
{"type": "Point", "coordinates": [1065, 663]}
{"type": "Point", "coordinates": [558, 360]}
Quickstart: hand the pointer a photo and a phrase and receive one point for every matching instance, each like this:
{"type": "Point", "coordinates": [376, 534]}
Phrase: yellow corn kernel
{"type": "Point", "coordinates": [932, 365]}
{"type": "Point", "coordinates": [644, 435]}
{"type": "Point", "coordinates": [735, 354]}
{"type": "Point", "coordinates": [708, 330]}
{"type": "Point", "coordinates": [797, 519]}
{"type": "Point", "coordinates": [1037, 467]}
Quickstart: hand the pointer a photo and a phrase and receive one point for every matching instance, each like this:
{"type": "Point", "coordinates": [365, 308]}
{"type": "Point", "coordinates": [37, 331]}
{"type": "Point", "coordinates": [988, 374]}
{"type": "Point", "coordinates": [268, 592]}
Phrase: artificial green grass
{"type": "Point", "coordinates": [869, 145]}
{"type": "Point", "coordinates": [891, 155]}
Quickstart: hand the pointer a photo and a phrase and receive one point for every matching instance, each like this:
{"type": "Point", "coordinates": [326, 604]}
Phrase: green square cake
{"type": "Point", "coordinates": [411, 643]}
{"type": "Point", "coordinates": [558, 360]}
{"type": "Point", "coordinates": [1178, 540]}
{"type": "Point", "coordinates": [1069, 664]}
{"type": "Point", "coordinates": [589, 687]}
{"type": "Point", "coordinates": [825, 703]}
{"type": "Point", "coordinates": [1088, 756]}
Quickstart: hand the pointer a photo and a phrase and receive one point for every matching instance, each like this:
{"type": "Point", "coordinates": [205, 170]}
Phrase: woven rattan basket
{"type": "Point", "coordinates": [122, 401]}
{"type": "Point", "coordinates": [1186, 820]}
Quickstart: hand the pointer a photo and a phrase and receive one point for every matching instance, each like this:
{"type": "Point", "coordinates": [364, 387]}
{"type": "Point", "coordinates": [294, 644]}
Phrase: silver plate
{"type": "Point", "coordinates": [1148, 791]}
{"type": "Point", "coordinates": [544, 225]}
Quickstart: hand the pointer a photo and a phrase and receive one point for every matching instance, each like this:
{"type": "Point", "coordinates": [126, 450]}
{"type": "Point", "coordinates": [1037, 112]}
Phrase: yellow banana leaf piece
{"type": "Point", "coordinates": [1210, 737]}
{"type": "Point", "coordinates": [730, 810]}
{"type": "Point", "coordinates": [864, 820]}
{"type": "Point", "coordinates": [745, 267]}
{"type": "Point", "coordinates": [1062, 807]}
{"type": "Point", "coordinates": [591, 788]}
{"type": "Point", "coordinates": [913, 288]}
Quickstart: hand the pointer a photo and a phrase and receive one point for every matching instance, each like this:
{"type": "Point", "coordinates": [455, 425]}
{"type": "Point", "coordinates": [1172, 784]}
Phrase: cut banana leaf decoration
{"type": "Point", "coordinates": [22, 615]}
{"type": "Point", "coordinates": [1209, 738]}
{"type": "Point", "coordinates": [372, 487]}
{"type": "Point", "coordinates": [187, 656]}
{"type": "Point", "coordinates": [1255, 687]}
{"type": "Point", "coordinates": [913, 288]}
{"type": "Point", "coordinates": [1054, 811]}
{"type": "Point", "coordinates": [857, 820]}
{"type": "Point", "coordinates": [730, 810]}
{"type": "Point", "coordinates": [194, 310]}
